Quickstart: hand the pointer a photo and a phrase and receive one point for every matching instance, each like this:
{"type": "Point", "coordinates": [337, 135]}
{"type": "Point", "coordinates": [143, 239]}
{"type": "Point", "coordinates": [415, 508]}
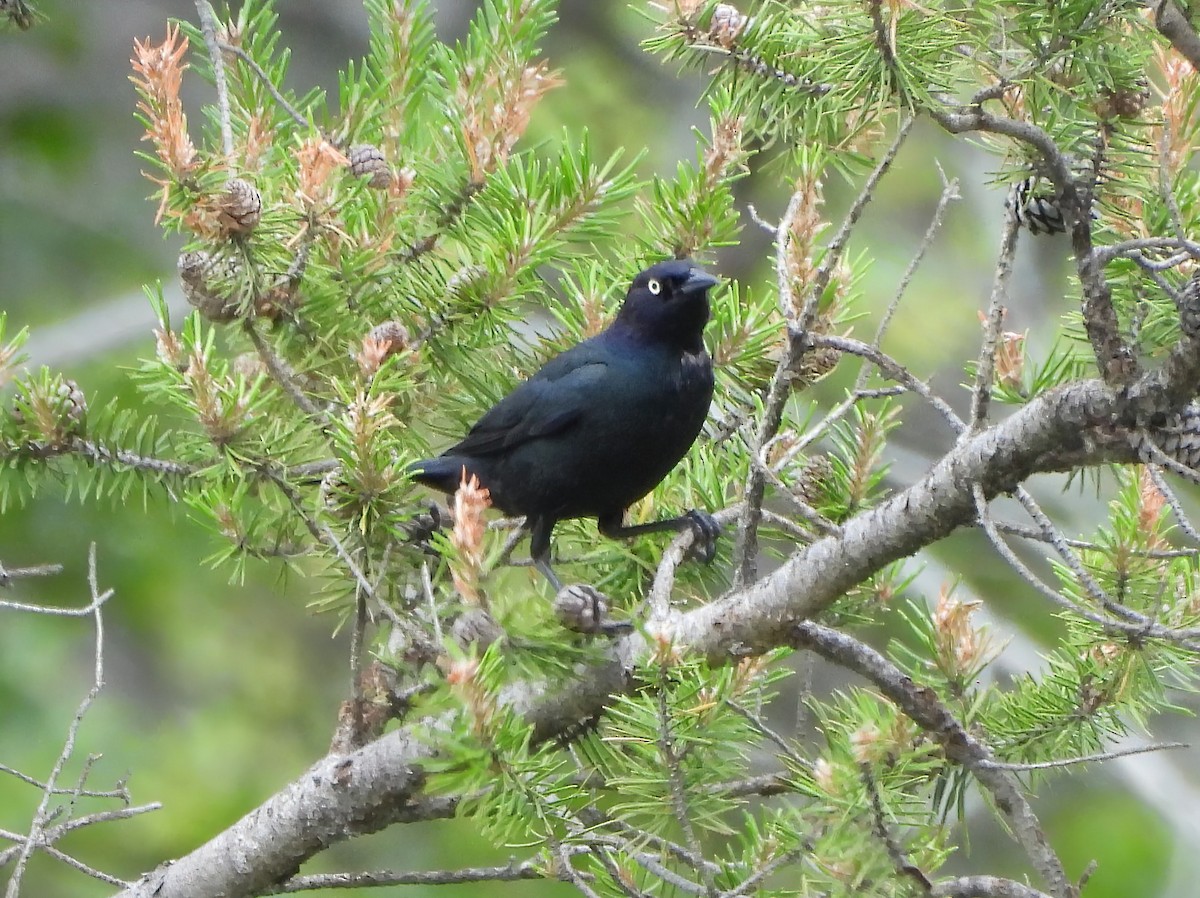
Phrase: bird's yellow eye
{"type": "Point", "coordinates": [654, 286]}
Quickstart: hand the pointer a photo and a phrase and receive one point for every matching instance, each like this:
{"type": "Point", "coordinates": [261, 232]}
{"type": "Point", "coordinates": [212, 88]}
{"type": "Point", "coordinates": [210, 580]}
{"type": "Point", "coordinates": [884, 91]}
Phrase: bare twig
{"type": "Point", "coordinates": [893, 370]}
{"type": "Point", "coordinates": [73, 862]}
{"type": "Point", "coordinates": [1056, 539]}
{"type": "Point", "coordinates": [319, 530]}
{"type": "Point", "coordinates": [616, 875]}
{"type": "Point", "coordinates": [831, 417]}
{"type": "Point", "coordinates": [658, 599]}
{"type": "Point", "coordinates": [1164, 179]}
{"type": "Point", "coordinates": [896, 853]}
{"type": "Point", "coordinates": [985, 370]}
{"type": "Point", "coordinates": [449, 215]}
{"type": "Point", "coordinates": [1089, 759]}
{"type": "Point", "coordinates": [1105, 254]}
{"type": "Point", "coordinates": [765, 869]}
{"type": "Point", "coordinates": [358, 637]}
{"type": "Point", "coordinates": [746, 551]}
{"type": "Point", "coordinates": [1036, 534]}
{"type": "Point", "coordinates": [949, 192]}
{"type": "Point", "coordinates": [41, 816]}
{"type": "Point", "coordinates": [812, 517]}
{"type": "Point", "coordinates": [9, 574]}
{"type": "Point", "coordinates": [567, 871]}
{"type": "Point", "coordinates": [268, 84]}
{"type": "Point", "coordinates": [431, 600]}
{"type": "Point", "coordinates": [1154, 266]}
{"type": "Point", "coordinates": [121, 792]}
{"type": "Point", "coordinates": [208, 27]}
{"type": "Point", "coordinates": [837, 246]}
{"type": "Point", "coordinates": [630, 839]}
{"type": "Point", "coordinates": [162, 466]}
{"type": "Point", "coordinates": [679, 797]}
{"type": "Point", "coordinates": [54, 833]}
{"type": "Point", "coordinates": [314, 469]}
{"type": "Point", "coordinates": [283, 375]}
{"type": "Point", "coordinates": [755, 217]}
{"type": "Point", "coordinates": [783, 744]}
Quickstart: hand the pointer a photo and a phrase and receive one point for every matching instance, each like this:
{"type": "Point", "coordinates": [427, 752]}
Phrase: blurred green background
{"type": "Point", "coordinates": [220, 693]}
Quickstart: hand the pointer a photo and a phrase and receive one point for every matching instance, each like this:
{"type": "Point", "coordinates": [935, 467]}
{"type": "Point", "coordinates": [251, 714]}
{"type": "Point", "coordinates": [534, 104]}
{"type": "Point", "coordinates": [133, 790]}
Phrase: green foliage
{"type": "Point", "coordinates": [415, 255]}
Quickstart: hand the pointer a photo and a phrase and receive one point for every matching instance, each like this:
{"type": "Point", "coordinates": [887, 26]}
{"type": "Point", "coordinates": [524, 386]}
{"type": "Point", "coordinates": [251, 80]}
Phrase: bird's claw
{"type": "Point", "coordinates": [705, 533]}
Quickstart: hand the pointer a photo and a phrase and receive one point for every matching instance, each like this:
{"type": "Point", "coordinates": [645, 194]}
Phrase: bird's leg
{"type": "Point", "coordinates": [540, 529]}
{"type": "Point", "coordinates": [543, 565]}
{"type": "Point", "coordinates": [704, 527]}
{"type": "Point", "coordinates": [581, 608]}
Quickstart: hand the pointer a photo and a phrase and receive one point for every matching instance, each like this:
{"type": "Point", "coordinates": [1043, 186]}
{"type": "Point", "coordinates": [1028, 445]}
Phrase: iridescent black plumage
{"type": "Point", "coordinates": [601, 424]}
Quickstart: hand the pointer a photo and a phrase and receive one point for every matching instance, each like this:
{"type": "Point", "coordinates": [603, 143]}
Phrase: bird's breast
{"type": "Point", "coordinates": [694, 373]}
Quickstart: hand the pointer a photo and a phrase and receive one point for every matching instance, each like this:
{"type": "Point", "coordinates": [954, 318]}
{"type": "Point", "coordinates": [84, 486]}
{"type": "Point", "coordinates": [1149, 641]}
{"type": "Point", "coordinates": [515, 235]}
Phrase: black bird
{"type": "Point", "coordinates": [601, 424]}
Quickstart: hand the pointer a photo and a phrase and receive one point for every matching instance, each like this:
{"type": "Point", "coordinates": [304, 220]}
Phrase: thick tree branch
{"type": "Point", "coordinates": [336, 798]}
{"type": "Point", "coordinates": [1055, 432]}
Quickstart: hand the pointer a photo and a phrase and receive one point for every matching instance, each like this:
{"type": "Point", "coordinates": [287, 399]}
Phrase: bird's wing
{"type": "Point", "coordinates": [549, 403]}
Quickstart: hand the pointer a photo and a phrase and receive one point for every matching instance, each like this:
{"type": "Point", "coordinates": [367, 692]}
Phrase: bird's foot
{"type": "Point", "coordinates": [584, 609]}
{"type": "Point", "coordinates": [705, 533]}
{"type": "Point", "coordinates": [420, 527]}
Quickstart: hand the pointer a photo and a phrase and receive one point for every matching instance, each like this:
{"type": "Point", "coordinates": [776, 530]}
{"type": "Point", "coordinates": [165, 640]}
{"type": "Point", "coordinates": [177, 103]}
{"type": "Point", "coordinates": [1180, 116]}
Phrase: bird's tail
{"type": "Point", "coordinates": [443, 473]}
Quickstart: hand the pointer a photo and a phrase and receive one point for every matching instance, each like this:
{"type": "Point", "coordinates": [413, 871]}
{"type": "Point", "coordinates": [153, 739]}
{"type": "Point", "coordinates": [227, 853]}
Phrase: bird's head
{"type": "Point", "coordinates": [668, 302]}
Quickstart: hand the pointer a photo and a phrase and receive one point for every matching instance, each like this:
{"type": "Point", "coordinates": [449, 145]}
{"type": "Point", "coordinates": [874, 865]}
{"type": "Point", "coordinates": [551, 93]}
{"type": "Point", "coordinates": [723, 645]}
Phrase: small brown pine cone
{"type": "Point", "coordinates": [1189, 306]}
{"type": "Point", "coordinates": [726, 24]}
{"type": "Point", "coordinates": [199, 275]}
{"type": "Point", "coordinates": [1036, 208]}
{"type": "Point", "coordinates": [57, 412]}
{"type": "Point", "coordinates": [813, 365]}
{"type": "Point", "coordinates": [239, 208]}
{"type": "Point", "coordinates": [367, 161]}
{"type": "Point", "coordinates": [277, 302]}
{"type": "Point", "coordinates": [72, 404]}
{"type": "Point", "coordinates": [812, 484]}
{"type": "Point", "coordinates": [1180, 437]}
{"type": "Point", "coordinates": [584, 609]}
{"type": "Point", "coordinates": [392, 333]}
{"type": "Point", "coordinates": [1125, 102]}
{"type": "Point", "coordinates": [381, 343]}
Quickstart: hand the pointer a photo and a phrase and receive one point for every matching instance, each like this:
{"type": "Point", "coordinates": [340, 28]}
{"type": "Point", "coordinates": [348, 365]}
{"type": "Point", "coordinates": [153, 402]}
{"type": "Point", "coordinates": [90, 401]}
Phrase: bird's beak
{"type": "Point", "coordinates": [697, 281]}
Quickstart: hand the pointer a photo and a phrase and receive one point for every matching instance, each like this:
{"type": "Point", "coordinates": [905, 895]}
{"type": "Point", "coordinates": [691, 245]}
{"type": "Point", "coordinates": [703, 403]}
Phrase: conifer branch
{"type": "Point", "coordinates": [923, 707]}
